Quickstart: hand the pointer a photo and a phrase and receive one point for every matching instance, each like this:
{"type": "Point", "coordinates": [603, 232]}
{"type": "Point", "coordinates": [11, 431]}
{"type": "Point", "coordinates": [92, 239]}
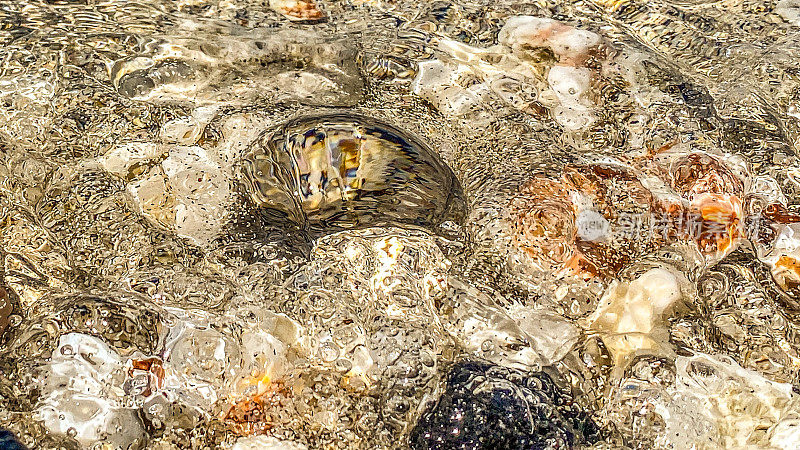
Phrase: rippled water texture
{"type": "Point", "coordinates": [302, 224]}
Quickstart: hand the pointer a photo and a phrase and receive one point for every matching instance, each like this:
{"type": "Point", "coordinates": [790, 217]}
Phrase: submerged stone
{"type": "Point", "coordinates": [80, 395]}
{"type": "Point", "coordinates": [276, 66]}
{"type": "Point", "coordinates": [538, 64]}
{"type": "Point", "coordinates": [9, 442]}
{"type": "Point", "coordinates": [5, 310]}
{"type": "Point", "coordinates": [344, 171]}
{"type": "Point", "coordinates": [631, 317]}
{"type": "Point", "coordinates": [265, 443]}
{"type": "Point", "coordinates": [491, 407]}
{"type": "Point", "coordinates": [305, 11]}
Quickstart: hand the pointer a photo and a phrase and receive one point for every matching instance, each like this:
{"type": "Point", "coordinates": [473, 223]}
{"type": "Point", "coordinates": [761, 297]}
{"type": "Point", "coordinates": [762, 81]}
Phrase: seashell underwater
{"type": "Point", "coordinates": [345, 171]}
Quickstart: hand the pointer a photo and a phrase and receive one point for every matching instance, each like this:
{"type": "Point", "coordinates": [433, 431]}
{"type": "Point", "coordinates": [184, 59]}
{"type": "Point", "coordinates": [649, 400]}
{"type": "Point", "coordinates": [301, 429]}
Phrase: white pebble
{"type": "Point", "coordinates": [79, 395]}
{"type": "Point", "coordinates": [525, 30]}
{"type": "Point", "coordinates": [569, 83]}
{"type": "Point", "coordinates": [573, 43]}
{"type": "Point", "coordinates": [573, 117]}
{"type": "Point", "coordinates": [120, 159]}
{"type": "Point", "coordinates": [436, 82]}
{"type": "Point", "coordinates": [265, 443]}
{"type": "Point", "coordinates": [789, 10]}
{"type": "Point", "coordinates": [184, 131]}
{"type": "Point", "coordinates": [630, 314]}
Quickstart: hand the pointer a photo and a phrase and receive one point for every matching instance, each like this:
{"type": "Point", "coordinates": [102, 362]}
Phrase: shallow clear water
{"type": "Point", "coordinates": [383, 224]}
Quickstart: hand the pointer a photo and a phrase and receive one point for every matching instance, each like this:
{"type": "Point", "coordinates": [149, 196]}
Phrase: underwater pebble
{"type": "Point", "coordinates": [743, 312]}
{"type": "Point", "coordinates": [187, 193]}
{"type": "Point", "coordinates": [564, 226]}
{"type": "Point", "coordinates": [783, 255]}
{"type": "Point", "coordinates": [602, 214]}
{"type": "Point", "coordinates": [81, 397]}
{"type": "Point", "coordinates": [150, 195]}
{"type": "Point", "coordinates": [570, 85]}
{"type": "Point", "coordinates": [119, 160]}
{"type": "Point", "coordinates": [9, 442]}
{"type": "Point", "coordinates": [437, 82]}
{"type": "Point", "coordinates": [183, 131]}
{"type": "Point", "coordinates": [508, 69]}
{"type": "Point", "coordinates": [631, 316]}
{"type": "Point", "coordinates": [203, 368]}
{"type": "Point", "coordinates": [789, 10]}
{"type": "Point", "coordinates": [713, 186]}
{"type": "Point", "coordinates": [200, 188]}
{"type": "Point", "coordinates": [524, 32]}
{"type": "Point", "coordinates": [704, 401]}
{"type": "Point", "coordinates": [344, 171]}
{"type": "Point", "coordinates": [550, 334]}
{"type": "Point", "coordinates": [298, 10]}
{"type": "Point", "coordinates": [487, 331]}
{"type": "Point", "coordinates": [741, 404]}
{"type": "Point", "coordinates": [485, 406]}
{"type": "Point", "coordinates": [265, 443]}
{"type": "Point", "coordinates": [185, 188]}
{"type": "Point", "coordinates": [224, 70]}
{"type": "Point", "coordinates": [785, 435]}
{"type": "Point", "coordinates": [198, 360]}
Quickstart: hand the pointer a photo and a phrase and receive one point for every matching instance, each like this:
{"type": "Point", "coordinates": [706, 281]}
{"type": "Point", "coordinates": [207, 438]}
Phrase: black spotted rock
{"type": "Point", "coordinates": [485, 406]}
{"type": "Point", "coordinates": [9, 442]}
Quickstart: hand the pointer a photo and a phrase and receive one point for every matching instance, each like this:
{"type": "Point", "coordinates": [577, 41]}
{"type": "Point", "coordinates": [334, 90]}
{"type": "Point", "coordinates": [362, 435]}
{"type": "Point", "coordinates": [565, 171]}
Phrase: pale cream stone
{"type": "Point", "coordinates": [460, 82]}
{"type": "Point", "coordinates": [265, 443]}
{"type": "Point", "coordinates": [437, 83]}
{"type": "Point", "coordinates": [82, 397]}
{"type": "Point", "coordinates": [183, 130]}
{"type": "Point", "coordinates": [785, 435]}
{"type": "Point", "coordinates": [630, 317]}
{"type": "Point", "coordinates": [789, 10]}
{"type": "Point", "coordinates": [119, 160]}
{"type": "Point", "coordinates": [153, 198]}
{"type": "Point", "coordinates": [569, 83]}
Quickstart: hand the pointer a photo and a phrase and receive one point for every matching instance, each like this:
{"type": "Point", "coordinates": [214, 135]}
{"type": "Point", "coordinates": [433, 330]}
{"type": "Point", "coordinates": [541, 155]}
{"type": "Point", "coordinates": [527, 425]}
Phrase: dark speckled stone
{"type": "Point", "coordinates": [485, 406]}
{"type": "Point", "coordinates": [9, 442]}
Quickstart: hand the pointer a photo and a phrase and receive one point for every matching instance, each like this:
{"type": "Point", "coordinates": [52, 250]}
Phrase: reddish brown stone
{"type": "Point", "coordinates": [298, 10]}
{"type": "Point", "coordinates": [5, 310]}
